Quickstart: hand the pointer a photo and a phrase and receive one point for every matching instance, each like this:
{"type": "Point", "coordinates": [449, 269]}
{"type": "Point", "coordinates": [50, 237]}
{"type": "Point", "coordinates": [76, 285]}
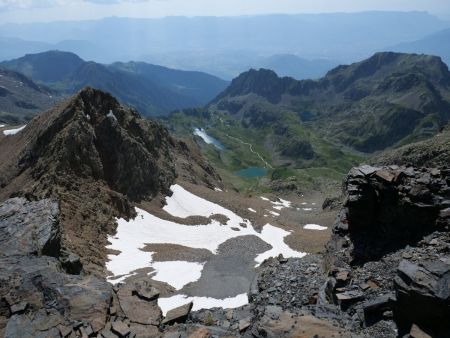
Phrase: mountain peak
{"type": "Point", "coordinates": [50, 66]}
{"type": "Point", "coordinates": [262, 82]}
{"type": "Point", "coordinates": [382, 65]}
{"type": "Point", "coordinates": [97, 158]}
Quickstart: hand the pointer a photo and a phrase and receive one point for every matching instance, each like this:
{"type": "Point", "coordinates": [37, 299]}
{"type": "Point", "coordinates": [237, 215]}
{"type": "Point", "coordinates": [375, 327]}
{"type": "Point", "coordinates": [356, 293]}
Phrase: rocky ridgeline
{"type": "Point", "coordinates": [97, 159]}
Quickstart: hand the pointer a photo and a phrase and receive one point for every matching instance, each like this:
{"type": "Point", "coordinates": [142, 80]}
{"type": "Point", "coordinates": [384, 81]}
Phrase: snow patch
{"type": "Point", "coordinates": [252, 210]}
{"type": "Point", "coordinates": [13, 131]}
{"type": "Point", "coordinates": [167, 304]}
{"type": "Point", "coordinates": [177, 273]}
{"type": "Point", "coordinates": [274, 213]}
{"type": "Point", "coordinates": [307, 209]}
{"type": "Point", "coordinates": [133, 235]}
{"type": "Point", "coordinates": [275, 237]}
{"type": "Point", "coordinates": [264, 198]}
{"type": "Point", "coordinates": [183, 204]}
{"type": "Point", "coordinates": [218, 189]}
{"type": "Point", "coordinates": [206, 138]}
{"type": "Point", "coordinates": [111, 115]}
{"type": "Point", "coordinates": [314, 227]}
{"type": "Point", "coordinates": [2, 125]}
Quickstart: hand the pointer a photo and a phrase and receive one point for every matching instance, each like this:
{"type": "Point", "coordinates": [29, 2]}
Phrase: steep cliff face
{"type": "Point", "coordinates": [389, 253]}
{"type": "Point", "coordinates": [97, 159]}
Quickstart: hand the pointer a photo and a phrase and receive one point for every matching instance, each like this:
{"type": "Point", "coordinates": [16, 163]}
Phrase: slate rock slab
{"type": "Point", "coordinates": [178, 315]}
{"type": "Point", "coordinates": [29, 228]}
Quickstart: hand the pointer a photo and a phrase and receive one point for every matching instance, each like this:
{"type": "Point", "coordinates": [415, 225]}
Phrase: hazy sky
{"type": "Point", "coordinates": [50, 10]}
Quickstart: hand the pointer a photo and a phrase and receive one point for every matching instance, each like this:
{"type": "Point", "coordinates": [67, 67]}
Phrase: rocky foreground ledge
{"type": "Point", "coordinates": [385, 273]}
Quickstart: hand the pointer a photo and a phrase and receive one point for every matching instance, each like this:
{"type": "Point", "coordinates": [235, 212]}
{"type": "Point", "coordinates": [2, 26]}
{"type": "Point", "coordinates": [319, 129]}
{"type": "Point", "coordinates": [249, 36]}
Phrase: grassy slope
{"type": "Point", "coordinates": [328, 168]}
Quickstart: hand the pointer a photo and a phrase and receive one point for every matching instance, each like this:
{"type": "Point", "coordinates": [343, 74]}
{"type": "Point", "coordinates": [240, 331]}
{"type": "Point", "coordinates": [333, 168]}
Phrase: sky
{"type": "Point", "coordinates": [55, 10]}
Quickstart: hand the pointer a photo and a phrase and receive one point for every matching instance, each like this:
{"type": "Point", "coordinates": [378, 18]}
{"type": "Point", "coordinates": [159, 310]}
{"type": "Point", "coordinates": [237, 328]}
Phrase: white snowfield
{"type": "Point", "coordinates": [13, 131]}
{"type": "Point", "coordinates": [179, 273]}
{"type": "Point", "coordinates": [133, 235]}
{"type": "Point", "coordinates": [314, 227]}
{"type": "Point", "coordinates": [204, 136]}
{"type": "Point", "coordinates": [167, 304]}
{"type": "Point", "coordinates": [183, 204]}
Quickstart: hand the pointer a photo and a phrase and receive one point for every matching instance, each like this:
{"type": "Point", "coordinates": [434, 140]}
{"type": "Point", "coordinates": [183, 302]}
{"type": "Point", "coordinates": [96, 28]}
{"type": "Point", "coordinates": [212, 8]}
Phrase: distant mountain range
{"type": "Point", "coordinates": [153, 90]}
{"type": "Point", "coordinates": [21, 98]}
{"type": "Point", "coordinates": [434, 44]}
{"type": "Point", "coordinates": [385, 101]}
{"type": "Point", "coordinates": [225, 46]}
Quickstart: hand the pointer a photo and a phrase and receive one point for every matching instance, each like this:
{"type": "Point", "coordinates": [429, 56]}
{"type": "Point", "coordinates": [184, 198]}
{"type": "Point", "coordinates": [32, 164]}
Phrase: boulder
{"type": "Point", "coordinates": [145, 290]}
{"type": "Point", "coordinates": [137, 309]}
{"type": "Point", "coordinates": [178, 315]}
{"type": "Point", "coordinates": [120, 328]}
{"type": "Point", "coordinates": [416, 332]}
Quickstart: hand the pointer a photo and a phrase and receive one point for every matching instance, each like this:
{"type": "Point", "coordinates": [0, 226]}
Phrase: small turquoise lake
{"type": "Point", "coordinates": [252, 172]}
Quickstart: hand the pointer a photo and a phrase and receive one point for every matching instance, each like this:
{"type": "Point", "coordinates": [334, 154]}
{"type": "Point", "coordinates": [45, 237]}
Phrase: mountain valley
{"type": "Point", "coordinates": [301, 199]}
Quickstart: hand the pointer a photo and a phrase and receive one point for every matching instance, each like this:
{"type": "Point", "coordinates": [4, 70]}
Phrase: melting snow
{"type": "Point", "coordinates": [133, 235]}
{"type": "Point", "coordinates": [177, 273]}
{"type": "Point", "coordinates": [208, 139]}
{"type": "Point", "coordinates": [314, 227]}
{"type": "Point", "coordinates": [13, 131]}
{"type": "Point", "coordinates": [278, 204]}
{"type": "Point", "coordinates": [111, 115]}
{"type": "Point", "coordinates": [183, 204]}
{"type": "Point", "coordinates": [167, 304]}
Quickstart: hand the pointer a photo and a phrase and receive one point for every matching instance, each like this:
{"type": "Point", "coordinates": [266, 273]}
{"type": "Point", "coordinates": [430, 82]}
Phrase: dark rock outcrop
{"type": "Point", "coordinates": [40, 297]}
{"type": "Point", "coordinates": [392, 236]}
{"type": "Point", "coordinates": [387, 208]}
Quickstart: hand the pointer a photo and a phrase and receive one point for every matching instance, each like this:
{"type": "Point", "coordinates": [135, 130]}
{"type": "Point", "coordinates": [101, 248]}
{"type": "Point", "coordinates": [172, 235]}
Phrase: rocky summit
{"type": "Point", "coordinates": [95, 158]}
